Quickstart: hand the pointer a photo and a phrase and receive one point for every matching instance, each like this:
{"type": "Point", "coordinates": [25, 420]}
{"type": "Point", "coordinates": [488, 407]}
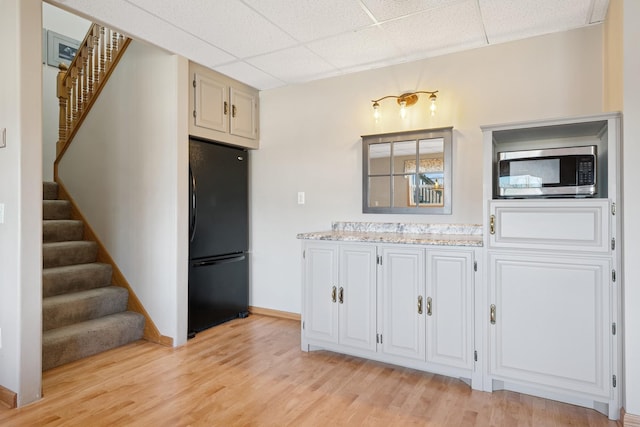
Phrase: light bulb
{"type": "Point", "coordinates": [433, 104]}
{"type": "Point", "coordinates": [376, 111]}
{"type": "Point", "coordinates": [403, 109]}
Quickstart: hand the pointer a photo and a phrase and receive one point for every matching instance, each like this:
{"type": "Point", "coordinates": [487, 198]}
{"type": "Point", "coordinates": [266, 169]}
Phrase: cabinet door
{"type": "Point", "coordinates": [211, 103]}
{"type": "Point", "coordinates": [244, 114]}
{"type": "Point", "coordinates": [574, 225]}
{"type": "Point", "coordinates": [320, 277]}
{"type": "Point", "coordinates": [449, 308]}
{"type": "Point", "coordinates": [402, 285]}
{"type": "Point", "coordinates": [357, 296]}
{"type": "Point", "coordinates": [551, 322]}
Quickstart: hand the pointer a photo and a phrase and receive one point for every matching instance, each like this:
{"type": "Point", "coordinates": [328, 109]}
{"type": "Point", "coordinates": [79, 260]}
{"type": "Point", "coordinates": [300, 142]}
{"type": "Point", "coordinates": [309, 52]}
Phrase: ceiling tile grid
{"type": "Point", "coordinates": [271, 43]}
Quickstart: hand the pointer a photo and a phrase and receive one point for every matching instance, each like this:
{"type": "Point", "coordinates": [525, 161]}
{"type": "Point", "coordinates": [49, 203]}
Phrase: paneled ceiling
{"type": "Point", "coordinates": [272, 43]}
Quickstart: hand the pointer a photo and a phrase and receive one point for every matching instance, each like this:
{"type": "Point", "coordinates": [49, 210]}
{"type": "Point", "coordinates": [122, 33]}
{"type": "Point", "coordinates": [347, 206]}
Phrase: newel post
{"type": "Point", "coordinates": [63, 97]}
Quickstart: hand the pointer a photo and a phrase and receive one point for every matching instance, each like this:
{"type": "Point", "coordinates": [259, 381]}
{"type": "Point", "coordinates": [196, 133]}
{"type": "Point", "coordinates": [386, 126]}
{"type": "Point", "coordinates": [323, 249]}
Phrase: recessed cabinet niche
{"type": "Point", "coordinates": [553, 274]}
{"type": "Point", "coordinates": [224, 110]}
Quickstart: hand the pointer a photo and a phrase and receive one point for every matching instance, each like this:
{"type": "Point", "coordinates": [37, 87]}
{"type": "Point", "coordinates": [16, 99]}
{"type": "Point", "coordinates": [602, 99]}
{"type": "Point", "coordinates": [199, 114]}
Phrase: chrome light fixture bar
{"type": "Point", "coordinates": [406, 100]}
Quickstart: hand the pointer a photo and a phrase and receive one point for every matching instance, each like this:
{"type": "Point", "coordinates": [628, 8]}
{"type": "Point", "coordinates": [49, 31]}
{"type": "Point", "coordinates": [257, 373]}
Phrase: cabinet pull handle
{"type": "Point", "coordinates": [341, 295]}
{"type": "Point", "coordinates": [492, 314]}
{"type": "Point", "coordinates": [333, 294]}
{"type": "Point", "coordinates": [419, 304]}
{"type": "Point", "coordinates": [226, 108]}
{"type": "Point", "coordinates": [492, 224]}
{"type": "Point", "coordinates": [429, 306]}
{"type": "Point", "coordinates": [233, 111]}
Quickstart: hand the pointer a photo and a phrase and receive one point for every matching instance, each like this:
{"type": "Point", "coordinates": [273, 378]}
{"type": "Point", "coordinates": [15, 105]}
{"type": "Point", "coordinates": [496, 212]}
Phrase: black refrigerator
{"type": "Point", "coordinates": [218, 232]}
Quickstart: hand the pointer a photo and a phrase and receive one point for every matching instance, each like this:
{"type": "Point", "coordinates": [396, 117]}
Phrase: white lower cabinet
{"type": "Point", "coordinates": [549, 322]}
{"type": "Point", "coordinates": [449, 308]}
{"type": "Point", "coordinates": [402, 320]}
{"type": "Point", "coordinates": [339, 298]}
{"type": "Point", "coordinates": [408, 305]}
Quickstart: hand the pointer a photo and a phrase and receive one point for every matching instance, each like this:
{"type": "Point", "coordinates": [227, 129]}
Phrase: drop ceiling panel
{"type": "Point", "coordinates": [384, 10]}
{"type": "Point", "coordinates": [459, 24]}
{"type": "Point", "coordinates": [307, 20]}
{"type": "Point", "coordinates": [250, 75]}
{"type": "Point", "coordinates": [368, 46]}
{"type": "Point", "coordinates": [293, 65]}
{"type": "Point", "coordinates": [230, 24]}
{"type": "Point", "coordinates": [508, 20]}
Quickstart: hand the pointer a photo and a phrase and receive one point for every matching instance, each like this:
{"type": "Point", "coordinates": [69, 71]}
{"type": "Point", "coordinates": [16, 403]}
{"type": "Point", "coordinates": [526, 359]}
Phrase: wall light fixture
{"type": "Point", "coordinates": [406, 100]}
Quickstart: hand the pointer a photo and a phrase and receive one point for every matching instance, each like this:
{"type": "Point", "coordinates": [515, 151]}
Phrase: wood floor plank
{"type": "Point", "coordinates": [251, 372]}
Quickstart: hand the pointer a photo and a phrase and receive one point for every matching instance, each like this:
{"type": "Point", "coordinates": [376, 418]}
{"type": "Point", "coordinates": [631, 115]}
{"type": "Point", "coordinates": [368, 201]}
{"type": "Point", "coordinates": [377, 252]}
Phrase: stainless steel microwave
{"type": "Point", "coordinates": [554, 172]}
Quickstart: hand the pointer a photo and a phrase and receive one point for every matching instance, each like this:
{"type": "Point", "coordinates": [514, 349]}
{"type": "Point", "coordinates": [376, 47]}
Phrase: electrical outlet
{"type": "Point", "coordinates": [301, 197]}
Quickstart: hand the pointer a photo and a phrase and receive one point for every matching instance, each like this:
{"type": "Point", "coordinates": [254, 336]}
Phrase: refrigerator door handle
{"type": "Point", "coordinates": [218, 261]}
{"type": "Point", "coordinates": [194, 199]}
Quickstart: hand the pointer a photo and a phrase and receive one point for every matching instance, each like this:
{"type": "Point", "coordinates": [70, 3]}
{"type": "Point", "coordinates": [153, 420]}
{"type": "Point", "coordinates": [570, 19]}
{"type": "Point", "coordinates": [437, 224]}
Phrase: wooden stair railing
{"type": "Point", "coordinates": [80, 84]}
{"type": "Point", "coordinates": [78, 87]}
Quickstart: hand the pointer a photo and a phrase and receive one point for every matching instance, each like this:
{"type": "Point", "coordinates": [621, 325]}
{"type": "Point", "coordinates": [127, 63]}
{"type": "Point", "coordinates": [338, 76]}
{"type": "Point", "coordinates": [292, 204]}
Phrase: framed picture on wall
{"type": "Point", "coordinates": [60, 49]}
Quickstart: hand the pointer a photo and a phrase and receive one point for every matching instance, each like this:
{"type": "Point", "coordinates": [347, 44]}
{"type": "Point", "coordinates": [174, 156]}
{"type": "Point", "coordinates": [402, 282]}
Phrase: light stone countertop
{"type": "Point", "coordinates": [401, 233]}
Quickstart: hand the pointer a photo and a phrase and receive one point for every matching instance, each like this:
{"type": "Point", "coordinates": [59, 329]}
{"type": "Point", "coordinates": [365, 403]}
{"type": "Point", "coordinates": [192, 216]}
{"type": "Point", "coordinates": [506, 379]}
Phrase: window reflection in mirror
{"type": "Point", "coordinates": [407, 172]}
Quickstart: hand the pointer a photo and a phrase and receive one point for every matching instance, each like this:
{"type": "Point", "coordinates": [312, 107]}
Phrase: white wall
{"type": "Point", "coordinates": [310, 138]}
{"type": "Point", "coordinates": [631, 179]}
{"type": "Point", "coordinates": [21, 194]}
{"type": "Point", "coordinates": [128, 170]}
{"type": "Point", "coordinates": [73, 26]}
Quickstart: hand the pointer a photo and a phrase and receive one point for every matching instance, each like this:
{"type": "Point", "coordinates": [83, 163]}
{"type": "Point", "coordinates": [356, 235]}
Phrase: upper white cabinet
{"type": "Point", "coordinates": [223, 109]}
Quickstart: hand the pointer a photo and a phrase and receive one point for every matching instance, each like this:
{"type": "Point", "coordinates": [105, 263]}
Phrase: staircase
{"type": "Point", "coordinates": [82, 313]}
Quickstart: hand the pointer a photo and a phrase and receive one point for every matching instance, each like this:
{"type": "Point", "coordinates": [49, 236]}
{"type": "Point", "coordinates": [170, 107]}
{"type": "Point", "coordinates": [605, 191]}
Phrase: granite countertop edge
{"type": "Point", "coordinates": [435, 239]}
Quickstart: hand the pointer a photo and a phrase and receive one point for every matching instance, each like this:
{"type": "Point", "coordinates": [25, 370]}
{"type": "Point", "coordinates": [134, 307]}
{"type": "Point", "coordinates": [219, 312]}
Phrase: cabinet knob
{"type": "Point", "coordinates": [233, 110]}
{"type": "Point", "coordinates": [492, 224]}
{"type": "Point", "coordinates": [492, 314]}
{"type": "Point", "coordinates": [341, 295]}
{"type": "Point", "coordinates": [429, 306]}
{"type": "Point", "coordinates": [333, 294]}
{"type": "Point", "coordinates": [226, 108]}
{"type": "Point", "coordinates": [419, 304]}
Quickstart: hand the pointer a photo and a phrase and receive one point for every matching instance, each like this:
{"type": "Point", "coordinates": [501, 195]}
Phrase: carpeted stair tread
{"type": "Point", "coordinates": [66, 309]}
{"type": "Point", "coordinates": [49, 190]}
{"type": "Point", "coordinates": [56, 209]}
{"type": "Point", "coordinates": [61, 230]}
{"type": "Point", "coordinates": [73, 342]}
{"type": "Point", "coordinates": [58, 254]}
{"type": "Point", "coordinates": [74, 278]}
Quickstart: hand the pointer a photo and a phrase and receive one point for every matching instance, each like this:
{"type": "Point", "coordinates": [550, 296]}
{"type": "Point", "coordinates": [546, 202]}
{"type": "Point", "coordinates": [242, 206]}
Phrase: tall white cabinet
{"type": "Point", "coordinates": [552, 284]}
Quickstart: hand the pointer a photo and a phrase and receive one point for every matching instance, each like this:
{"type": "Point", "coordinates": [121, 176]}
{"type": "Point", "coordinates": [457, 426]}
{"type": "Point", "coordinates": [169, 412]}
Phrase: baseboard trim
{"type": "Point", "coordinates": [8, 398]}
{"type": "Point", "coordinates": [151, 332]}
{"type": "Point", "coordinates": [629, 420]}
{"type": "Point", "coordinates": [274, 313]}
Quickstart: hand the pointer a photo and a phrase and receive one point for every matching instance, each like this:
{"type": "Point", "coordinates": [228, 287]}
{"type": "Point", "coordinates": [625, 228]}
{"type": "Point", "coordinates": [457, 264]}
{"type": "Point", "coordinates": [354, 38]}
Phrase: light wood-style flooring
{"type": "Point", "coordinates": [251, 372]}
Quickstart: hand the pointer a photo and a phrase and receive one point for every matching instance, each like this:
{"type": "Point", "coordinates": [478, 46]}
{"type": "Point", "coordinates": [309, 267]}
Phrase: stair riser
{"type": "Point", "coordinates": [73, 279]}
{"type": "Point", "coordinates": [56, 209]}
{"type": "Point", "coordinates": [78, 254]}
{"type": "Point", "coordinates": [49, 191]}
{"type": "Point", "coordinates": [61, 231]}
{"type": "Point", "coordinates": [68, 309]}
{"type": "Point", "coordinates": [64, 345]}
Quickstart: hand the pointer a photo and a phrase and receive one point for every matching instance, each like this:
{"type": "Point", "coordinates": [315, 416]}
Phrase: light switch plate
{"type": "Point", "coordinates": [301, 197]}
{"type": "Point", "coordinates": [3, 137]}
